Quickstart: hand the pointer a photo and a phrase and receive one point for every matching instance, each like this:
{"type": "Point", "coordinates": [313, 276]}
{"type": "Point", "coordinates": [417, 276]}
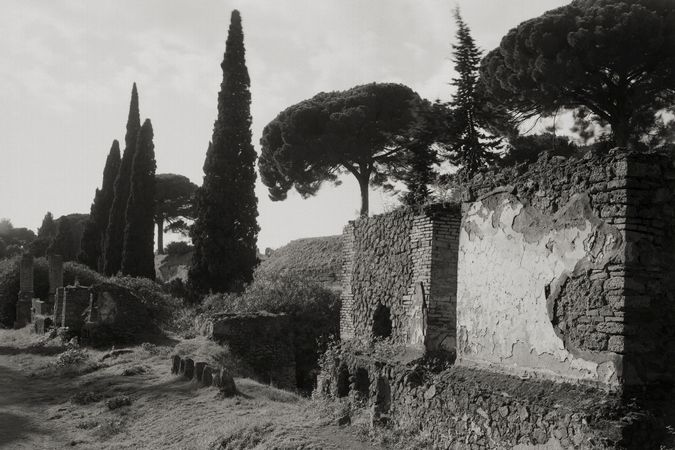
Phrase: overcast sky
{"type": "Point", "coordinates": [66, 70]}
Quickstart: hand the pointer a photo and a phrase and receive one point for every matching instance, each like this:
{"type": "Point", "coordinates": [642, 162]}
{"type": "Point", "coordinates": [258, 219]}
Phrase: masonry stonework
{"type": "Point", "coordinates": [402, 263]}
{"type": "Point", "coordinates": [561, 273]}
{"type": "Point", "coordinates": [582, 250]}
{"type": "Point", "coordinates": [262, 341]}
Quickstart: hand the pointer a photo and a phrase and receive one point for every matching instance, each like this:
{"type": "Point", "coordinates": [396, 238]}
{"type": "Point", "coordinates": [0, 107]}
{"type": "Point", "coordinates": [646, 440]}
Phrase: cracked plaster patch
{"type": "Point", "coordinates": [510, 255]}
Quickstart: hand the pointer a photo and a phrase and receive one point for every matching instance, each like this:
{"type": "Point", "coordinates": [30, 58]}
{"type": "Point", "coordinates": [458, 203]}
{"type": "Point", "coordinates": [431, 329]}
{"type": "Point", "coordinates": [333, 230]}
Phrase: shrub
{"type": "Point", "coordinates": [71, 357]}
{"type": "Point", "coordinates": [86, 397]}
{"type": "Point", "coordinates": [118, 402]}
{"type": "Point", "coordinates": [159, 304]}
{"type": "Point", "coordinates": [178, 248]}
{"type": "Point", "coordinates": [315, 313]}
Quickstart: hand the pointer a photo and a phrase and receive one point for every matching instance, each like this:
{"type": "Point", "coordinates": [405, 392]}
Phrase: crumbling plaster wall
{"type": "Point", "coordinates": [566, 268]}
{"type": "Point", "coordinates": [512, 257]}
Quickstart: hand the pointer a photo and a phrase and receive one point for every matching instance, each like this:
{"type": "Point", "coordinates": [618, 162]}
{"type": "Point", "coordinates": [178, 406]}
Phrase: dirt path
{"type": "Point", "coordinates": [39, 409]}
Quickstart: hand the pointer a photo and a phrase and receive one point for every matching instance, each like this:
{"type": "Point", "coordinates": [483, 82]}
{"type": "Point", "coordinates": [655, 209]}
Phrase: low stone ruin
{"type": "Point", "coordinates": [100, 314]}
{"type": "Point", "coordinates": [262, 341]}
{"type": "Point", "coordinates": [203, 374]}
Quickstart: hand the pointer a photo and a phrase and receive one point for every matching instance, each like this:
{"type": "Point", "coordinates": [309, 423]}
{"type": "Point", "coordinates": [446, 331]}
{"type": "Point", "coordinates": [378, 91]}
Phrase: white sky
{"type": "Point", "coordinates": [66, 70]}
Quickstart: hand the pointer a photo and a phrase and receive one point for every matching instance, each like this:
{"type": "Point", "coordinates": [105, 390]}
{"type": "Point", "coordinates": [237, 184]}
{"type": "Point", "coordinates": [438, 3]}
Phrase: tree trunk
{"type": "Point", "coordinates": [160, 236]}
{"type": "Point", "coordinates": [363, 185]}
{"type": "Point", "coordinates": [620, 131]}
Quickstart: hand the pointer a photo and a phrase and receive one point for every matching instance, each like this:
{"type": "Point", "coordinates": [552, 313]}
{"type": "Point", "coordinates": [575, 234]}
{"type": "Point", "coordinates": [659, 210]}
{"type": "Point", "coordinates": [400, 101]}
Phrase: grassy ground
{"type": "Point", "coordinates": [52, 397]}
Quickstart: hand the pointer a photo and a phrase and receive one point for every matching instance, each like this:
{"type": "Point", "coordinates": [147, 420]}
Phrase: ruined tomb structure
{"type": "Point", "coordinates": [560, 272]}
{"type": "Point", "coordinates": [261, 342]}
{"type": "Point", "coordinates": [400, 276]}
{"type": "Point", "coordinates": [71, 306]}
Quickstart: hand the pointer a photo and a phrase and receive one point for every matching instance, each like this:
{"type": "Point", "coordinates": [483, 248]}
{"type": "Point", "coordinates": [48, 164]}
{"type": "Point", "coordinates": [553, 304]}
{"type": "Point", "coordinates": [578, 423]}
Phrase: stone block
{"type": "Point", "coordinates": [189, 370]}
{"type": "Point", "coordinates": [175, 364]}
{"type": "Point", "coordinates": [227, 386]}
{"type": "Point", "coordinates": [199, 370]}
{"type": "Point", "coordinates": [207, 376]}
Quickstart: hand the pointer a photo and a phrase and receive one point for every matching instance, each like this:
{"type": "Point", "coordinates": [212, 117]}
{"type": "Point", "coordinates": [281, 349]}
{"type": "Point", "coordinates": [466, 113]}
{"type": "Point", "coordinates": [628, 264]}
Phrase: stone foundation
{"type": "Point", "coordinates": [470, 408]}
{"type": "Point", "coordinates": [203, 374]}
{"type": "Point", "coordinates": [263, 341]}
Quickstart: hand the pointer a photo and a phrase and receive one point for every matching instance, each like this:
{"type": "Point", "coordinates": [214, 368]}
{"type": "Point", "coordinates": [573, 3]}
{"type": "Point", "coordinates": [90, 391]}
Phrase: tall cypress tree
{"type": "Point", "coordinates": [64, 243]}
{"type": "Point", "coordinates": [114, 236]}
{"type": "Point", "coordinates": [48, 227]}
{"type": "Point", "coordinates": [138, 258]}
{"type": "Point", "coordinates": [472, 147]}
{"type": "Point", "coordinates": [225, 230]}
{"type": "Point", "coordinates": [91, 246]}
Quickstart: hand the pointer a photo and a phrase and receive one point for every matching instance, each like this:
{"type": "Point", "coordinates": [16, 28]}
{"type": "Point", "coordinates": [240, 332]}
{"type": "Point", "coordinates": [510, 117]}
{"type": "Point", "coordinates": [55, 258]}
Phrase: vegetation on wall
{"type": "Point", "coordinates": [314, 312]}
{"type": "Point", "coordinates": [225, 231]}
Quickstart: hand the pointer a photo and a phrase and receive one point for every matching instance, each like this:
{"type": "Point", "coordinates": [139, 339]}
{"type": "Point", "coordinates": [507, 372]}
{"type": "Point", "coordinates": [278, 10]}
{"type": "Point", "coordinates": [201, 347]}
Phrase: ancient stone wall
{"type": "Point", "coordinates": [462, 407]}
{"type": "Point", "coordinates": [262, 341]}
{"type": "Point", "coordinates": [71, 307]}
{"type": "Point", "coordinates": [115, 315]}
{"type": "Point", "coordinates": [398, 278]}
{"type": "Point", "coordinates": [561, 269]}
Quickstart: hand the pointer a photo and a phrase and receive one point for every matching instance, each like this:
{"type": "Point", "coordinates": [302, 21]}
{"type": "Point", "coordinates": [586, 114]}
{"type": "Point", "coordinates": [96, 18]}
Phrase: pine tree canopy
{"type": "Point", "coordinates": [614, 57]}
{"type": "Point", "coordinates": [138, 258]}
{"type": "Point", "coordinates": [358, 131]}
{"type": "Point", "coordinates": [225, 230]}
{"type": "Point", "coordinates": [114, 235]}
{"type": "Point", "coordinates": [174, 205]}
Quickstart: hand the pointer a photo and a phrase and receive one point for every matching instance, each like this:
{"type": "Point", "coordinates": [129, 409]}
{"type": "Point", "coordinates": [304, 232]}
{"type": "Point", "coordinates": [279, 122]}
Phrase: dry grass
{"type": "Point", "coordinates": [41, 407]}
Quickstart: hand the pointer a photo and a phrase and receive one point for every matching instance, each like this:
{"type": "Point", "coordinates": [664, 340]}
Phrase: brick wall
{"type": "Point", "coordinates": [612, 306]}
{"type": "Point", "coordinates": [561, 269]}
{"type": "Point", "coordinates": [404, 261]}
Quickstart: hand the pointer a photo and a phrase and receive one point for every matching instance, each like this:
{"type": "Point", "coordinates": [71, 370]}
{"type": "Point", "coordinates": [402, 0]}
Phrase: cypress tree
{"type": "Point", "coordinates": [138, 258]}
{"type": "Point", "coordinates": [48, 227]}
{"type": "Point", "coordinates": [473, 147]}
{"type": "Point", "coordinates": [64, 243]}
{"type": "Point", "coordinates": [225, 230]}
{"type": "Point", "coordinates": [114, 235]}
{"type": "Point", "coordinates": [91, 246]}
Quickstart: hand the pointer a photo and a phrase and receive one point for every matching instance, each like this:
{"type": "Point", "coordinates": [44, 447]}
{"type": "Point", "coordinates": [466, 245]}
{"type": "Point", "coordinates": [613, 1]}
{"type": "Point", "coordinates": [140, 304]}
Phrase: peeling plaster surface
{"type": "Point", "coordinates": [510, 258]}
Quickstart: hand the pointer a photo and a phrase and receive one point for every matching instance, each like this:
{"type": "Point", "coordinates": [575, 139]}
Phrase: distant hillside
{"type": "Point", "coordinates": [318, 259]}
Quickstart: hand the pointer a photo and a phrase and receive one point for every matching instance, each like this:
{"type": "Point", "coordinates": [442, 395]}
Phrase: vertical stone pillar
{"type": "Point", "coordinates": [347, 296]}
{"type": "Point", "coordinates": [55, 275]}
{"type": "Point", "coordinates": [442, 319]}
{"type": "Point", "coordinates": [24, 303]}
{"type": "Point", "coordinates": [26, 277]}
